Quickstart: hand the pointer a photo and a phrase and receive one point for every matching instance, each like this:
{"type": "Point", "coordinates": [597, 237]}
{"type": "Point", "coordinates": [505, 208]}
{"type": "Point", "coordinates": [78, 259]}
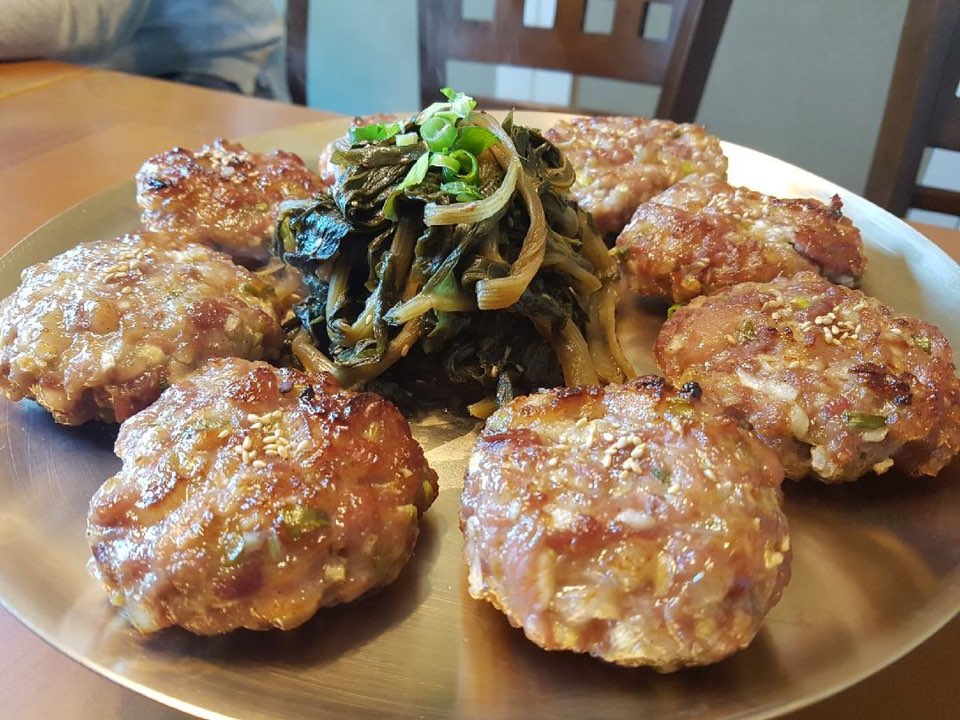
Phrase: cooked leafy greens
{"type": "Point", "coordinates": [450, 249]}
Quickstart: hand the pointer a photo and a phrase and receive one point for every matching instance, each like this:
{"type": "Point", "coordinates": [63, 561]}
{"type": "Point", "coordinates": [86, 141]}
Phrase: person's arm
{"type": "Point", "coordinates": [78, 30]}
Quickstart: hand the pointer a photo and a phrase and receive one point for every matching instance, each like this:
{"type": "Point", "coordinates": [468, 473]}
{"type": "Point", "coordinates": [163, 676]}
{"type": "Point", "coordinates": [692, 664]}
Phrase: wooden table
{"type": "Point", "coordinates": [67, 133]}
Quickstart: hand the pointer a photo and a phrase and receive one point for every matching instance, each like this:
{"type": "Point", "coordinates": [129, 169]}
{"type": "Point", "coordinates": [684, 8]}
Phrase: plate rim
{"type": "Point", "coordinates": [948, 596]}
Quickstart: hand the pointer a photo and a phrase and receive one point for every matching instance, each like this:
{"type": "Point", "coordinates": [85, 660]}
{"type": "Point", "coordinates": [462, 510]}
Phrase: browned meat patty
{"type": "Point", "coordinates": [97, 332]}
{"type": "Point", "coordinates": [222, 195]}
{"type": "Point", "coordinates": [703, 234]}
{"type": "Point", "coordinates": [328, 171]}
{"type": "Point", "coordinates": [251, 496]}
{"type": "Point", "coordinates": [835, 381]}
{"type": "Point", "coordinates": [622, 162]}
{"type": "Point", "coordinates": [632, 522]}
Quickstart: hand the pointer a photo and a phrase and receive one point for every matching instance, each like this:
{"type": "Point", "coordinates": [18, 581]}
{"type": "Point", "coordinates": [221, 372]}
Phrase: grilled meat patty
{"type": "Point", "coordinates": [632, 522]}
{"type": "Point", "coordinates": [622, 162]}
{"type": "Point", "coordinates": [703, 234]}
{"type": "Point", "coordinates": [836, 382]}
{"type": "Point", "coordinates": [251, 496]}
{"type": "Point", "coordinates": [97, 332]}
{"type": "Point", "coordinates": [222, 195]}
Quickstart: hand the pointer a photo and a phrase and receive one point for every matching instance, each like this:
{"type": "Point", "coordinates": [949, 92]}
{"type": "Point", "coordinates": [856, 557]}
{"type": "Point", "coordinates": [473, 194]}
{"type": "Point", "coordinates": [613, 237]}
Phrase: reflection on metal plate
{"type": "Point", "coordinates": [876, 568]}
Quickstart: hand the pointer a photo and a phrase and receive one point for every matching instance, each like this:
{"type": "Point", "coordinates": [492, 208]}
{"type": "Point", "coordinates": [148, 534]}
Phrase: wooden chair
{"type": "Point", "coordinates": [679, 64]}
{"type": "Point", "coordinates": [922, 110]}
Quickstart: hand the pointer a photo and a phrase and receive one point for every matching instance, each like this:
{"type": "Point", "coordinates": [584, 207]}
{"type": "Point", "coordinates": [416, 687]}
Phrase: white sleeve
{"type": "Point", "coordinates": [77, 30]}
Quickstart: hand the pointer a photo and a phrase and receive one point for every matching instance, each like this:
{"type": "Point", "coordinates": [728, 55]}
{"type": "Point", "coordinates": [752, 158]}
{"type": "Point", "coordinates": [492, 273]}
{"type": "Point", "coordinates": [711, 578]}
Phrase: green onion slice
{"type": "Point", "coordinates": [439, 133]}
{"type": "Point", "coordinates": [415, 176]}
{"type": "Point", "coordinates": [375, 132]}
{"type": "Point", "coordinates": [410, 138]}
{"type": "Point", "coordinates": [467, 168]}
{"type": "Point", "coordinates": [865, 421]}
{"type": "Point", "coordinates": [663, 474]}
{"type": "Point", "coordinates": [464, 192]}
{"type": "Point", "coordinates": [416, 173]}
{"type": "Point", "coordinates": [447, 162]}
{"type": "Point", "coordinates": [431, 110]}
{"type": "Point", "coordinates": [475, 139]}
{"type": "Point", "coordinates": [299, 520]}
{"type": "Point", "coordinates": [458, 106]}
{"type": "Point", "coordinates": [460, 103]}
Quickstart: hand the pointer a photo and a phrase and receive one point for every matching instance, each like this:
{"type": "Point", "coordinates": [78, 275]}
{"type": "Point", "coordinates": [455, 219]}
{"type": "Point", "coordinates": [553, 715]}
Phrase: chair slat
{"type": "Point", "coordinates": [570, 13]}
{"type": "Point", "coordinates": [628, 18]}
{"type": "Point", "coordinates": [936, 200]}
{"type": "Point", "coordinates": [296, 56]}
{"type": "Point", "coordinates": [946, 115]}
{"type": "Point", "coordinates": [922, 109]}
{"type": "Point", "coordinates": [584, 54]}
{"type": "Point", "coordinates": [508, 13]}
{"type": "Point", "coordinates": [699, 27]}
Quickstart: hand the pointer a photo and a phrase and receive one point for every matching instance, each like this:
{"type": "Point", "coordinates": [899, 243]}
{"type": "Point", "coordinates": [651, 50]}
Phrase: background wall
{"type": "Point", "coordinates": [362, 56]}
{"type": "Point", "coordinates": [804, 80]}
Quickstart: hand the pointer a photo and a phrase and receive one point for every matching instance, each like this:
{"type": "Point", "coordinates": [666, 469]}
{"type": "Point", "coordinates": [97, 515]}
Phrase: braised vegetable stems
{"type": "Point", "coordinates": [452, 238]}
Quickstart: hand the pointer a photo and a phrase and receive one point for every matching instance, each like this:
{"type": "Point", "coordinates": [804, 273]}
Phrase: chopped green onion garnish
{"type": "Point", "coordinates": [410, 138]}
{"type": "Point", "coordinates": [801, 302]}
{"type": "Point", "coordinates": [430, 111]}
{"type": "Point", "coordinates": [449, 115]}
{"type": "Point", "coordinates": [375, 132]}
{"type": "Point", "coordinates": [923, 343]}
{"type": "Point", "coordinates": [663, 474]}
{"type": "Point", "coordinates": [475, 139]}
{"type": "Point", "coordinates": [458, 106]}
{"type": "Point", "coordinates": [672, 309]}
{"type": "Point", "coordinates": [865, 421]}
{"type": "Point", "coordinates": [439, 133]}
{"type": "Point", "coordinates": [415, 176]}
{"type": "Point", "coordinates": [463, 191]}
{"type": "Point", "coordinates": [747, 331]}
{"type": "Point", "coordinates": [447, 162]}
{"type": "Point", "coordinates": [461, 104]}
{"type": "Point", "coordinates": [467, 169]}
{"type": "Point", "coordinates": [417, 172]}
{"type": "Point", "coordinates": [299, 520]}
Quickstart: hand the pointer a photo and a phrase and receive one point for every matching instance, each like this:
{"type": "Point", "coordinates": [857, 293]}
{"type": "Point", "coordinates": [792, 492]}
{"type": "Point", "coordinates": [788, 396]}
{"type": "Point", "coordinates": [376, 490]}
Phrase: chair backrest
{"type": "Point", "coordinates": [922, 109]}
{"type": "Point", "coordinates": [298, 12]}
{"type": "Point", "coordinates": [678, 63]}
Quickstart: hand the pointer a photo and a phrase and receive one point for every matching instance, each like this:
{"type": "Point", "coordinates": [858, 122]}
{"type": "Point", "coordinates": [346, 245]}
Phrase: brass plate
{"type": "Point", "coordinates": [876, 570]}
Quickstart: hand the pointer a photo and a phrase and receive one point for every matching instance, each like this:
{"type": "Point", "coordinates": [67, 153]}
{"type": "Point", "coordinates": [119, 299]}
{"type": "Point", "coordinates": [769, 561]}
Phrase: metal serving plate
{"type": "Point", "coordinates": [876, 569]}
